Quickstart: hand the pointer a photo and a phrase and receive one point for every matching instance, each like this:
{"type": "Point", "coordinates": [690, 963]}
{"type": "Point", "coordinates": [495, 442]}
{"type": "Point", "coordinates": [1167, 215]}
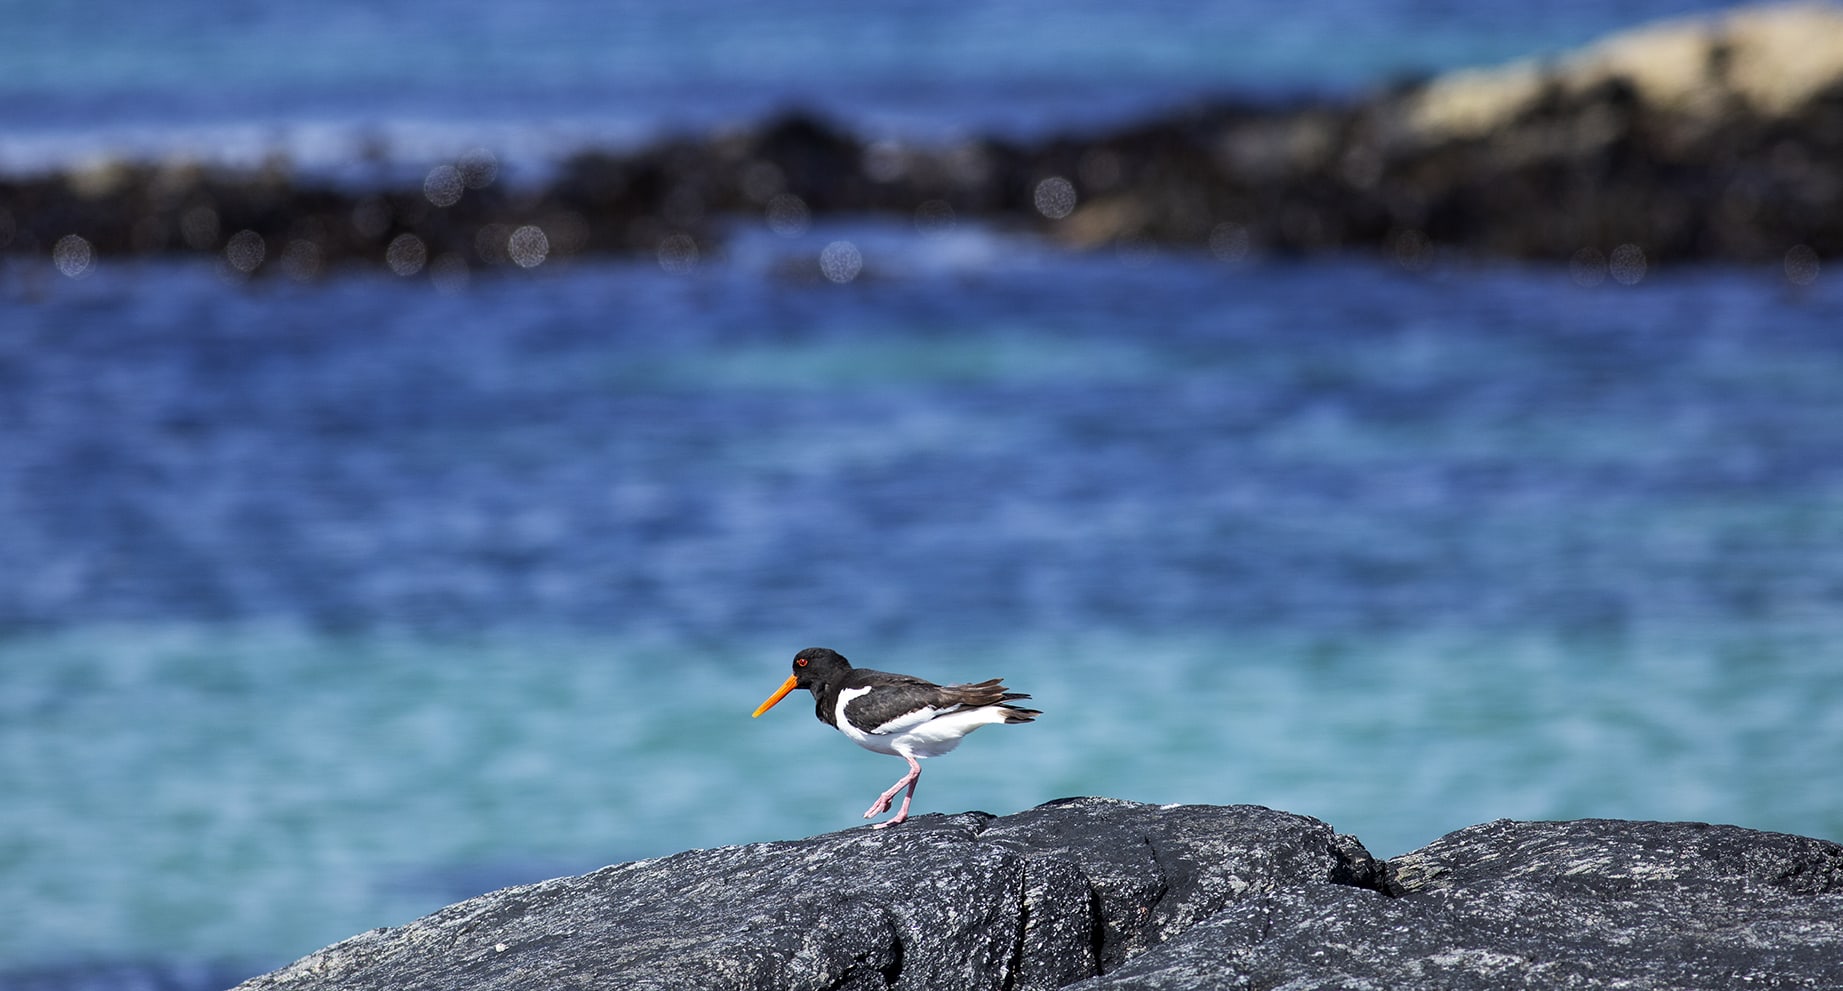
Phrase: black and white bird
{"type": "Point", "coordinates": [897, 714]}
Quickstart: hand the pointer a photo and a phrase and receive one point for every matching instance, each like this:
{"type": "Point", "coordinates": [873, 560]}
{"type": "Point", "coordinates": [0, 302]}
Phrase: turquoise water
{"type": "Point", "coordinates": [326, 606]}
{"type": "Point", "coordinates": [206, 792]}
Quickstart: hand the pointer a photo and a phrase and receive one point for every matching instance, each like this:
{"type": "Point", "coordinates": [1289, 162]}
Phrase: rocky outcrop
{"type": "Point", "coordinates": [1766, 61]}
{"type": "Point", "coordinates": [1097, 893]}
{"type": "Point", "coordinates": [1713, 138]}
{"type": "Point", "coordinates": [1589, 904]}
{"type": "Point", "coordinates": [1036, 900]}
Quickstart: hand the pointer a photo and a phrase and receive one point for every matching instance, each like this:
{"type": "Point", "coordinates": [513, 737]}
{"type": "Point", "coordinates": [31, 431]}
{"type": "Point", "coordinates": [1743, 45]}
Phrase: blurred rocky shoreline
{"type": "Point", "coordinates": [1717, 139]}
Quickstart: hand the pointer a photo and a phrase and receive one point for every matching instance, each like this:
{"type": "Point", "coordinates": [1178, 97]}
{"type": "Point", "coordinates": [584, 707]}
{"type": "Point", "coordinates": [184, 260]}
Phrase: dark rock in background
{"type": "Point", "coordinates": [1719, 138]}
{"type": "Point", "coordinates": [1096, 893]}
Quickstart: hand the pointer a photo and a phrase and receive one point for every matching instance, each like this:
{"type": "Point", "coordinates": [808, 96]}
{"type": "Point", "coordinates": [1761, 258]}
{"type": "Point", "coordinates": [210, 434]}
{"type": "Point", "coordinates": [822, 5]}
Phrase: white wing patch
{"type": "Point", "coordinates": [874, 740]}
{"type": "Point", "coordinates": [910, 720]}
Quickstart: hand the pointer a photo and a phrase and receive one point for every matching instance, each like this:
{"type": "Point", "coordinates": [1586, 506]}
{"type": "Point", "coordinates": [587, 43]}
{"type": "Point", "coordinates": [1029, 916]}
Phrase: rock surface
{"type": "Point", "coordinates": [1768, 60]}
{"type": "Point", "coordinates": [1588, 904]}
{"type": "Point", "coordinates": [1097, 893]}
{"type": "Point", "coordinates": [1035, 900]}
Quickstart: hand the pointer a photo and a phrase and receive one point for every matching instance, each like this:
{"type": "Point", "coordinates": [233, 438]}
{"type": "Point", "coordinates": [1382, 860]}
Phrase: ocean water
{"type": "Point", "coordinates": [329, 605]}
{"type": "Point", "coordinates": [323, 605]}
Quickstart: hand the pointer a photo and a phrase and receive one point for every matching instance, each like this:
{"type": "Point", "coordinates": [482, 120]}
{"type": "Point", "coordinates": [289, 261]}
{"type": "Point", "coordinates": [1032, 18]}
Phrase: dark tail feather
{"type": "Point", "coordinates": [1019, 714]}
{"type": "Point", "coordinates": [992, 692]}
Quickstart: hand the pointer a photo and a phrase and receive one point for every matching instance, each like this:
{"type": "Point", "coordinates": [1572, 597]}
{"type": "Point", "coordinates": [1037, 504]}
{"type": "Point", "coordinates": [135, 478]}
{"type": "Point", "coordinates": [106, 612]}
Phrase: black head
{"type": "Point", "coordinates": [814, 669]}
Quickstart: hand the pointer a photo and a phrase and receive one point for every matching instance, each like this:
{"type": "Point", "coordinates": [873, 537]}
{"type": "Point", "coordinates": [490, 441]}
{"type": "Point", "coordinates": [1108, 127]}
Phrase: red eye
{"type": "Point", "coordinates": [800, 662]}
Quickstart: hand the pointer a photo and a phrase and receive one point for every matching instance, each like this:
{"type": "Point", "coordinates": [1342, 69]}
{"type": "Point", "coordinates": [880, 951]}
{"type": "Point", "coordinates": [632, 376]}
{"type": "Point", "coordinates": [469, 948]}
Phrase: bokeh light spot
{"type": "Point", "coordinates": [478, 168]}
{"type": "Point", "coordinates": [490, 243]}
{"type": "Point", "coordinates": [885, 161]}
{"type": "Point", "coordinates": [1055, 197]}
{"type": "Point", "coordinates": [841, 261]}
{"type": "Point", "coordinates": [934, 218]}
{"type": "Point", "coordinates": [72, 255]}
{"type": "Point", "coordinates": [450, 274]}
{"type": "Point", "coordinates": [1587, 267]}
{"type": "Point", "coordinates": [406, 255]}
{"type": "Point", "coordinates": [245, 251]}
{"type": "Point", "coordinates": [682, 206]}
{"type": "Point", "coordinates": [444, 186]}
{"type": "Point", "coordinates": [677, 253]}
{"type": "Point", "coordinates": [788, 215]}
{"type": "Point", "coordinates": [969, 164]}
{"type": "Point", "coordinates": [1801, 265]}
{"type": "Point", "coordinates": [1627, 264]}
{"type": "Point", "coordinates": [528, 247]}
{"type": "Point", "coordinates": [1411, 249]}
{"type": "Point", "coordinates": [567, 231]}
{"type": "Point", "coordinates": [761, 180]}
{"type": "Point", "coordinates": [1229, 242]}
{"type": "Point", "coordinates": [1100, 168]}
{"type": "Point", "coordinates": [1135, 250]}
{"type": "Point", "coordinates": [199, 227]}
{"type": "Point", "coordinates": [371, 217]}
{"type": "Point", "coordinates": [301, 259]}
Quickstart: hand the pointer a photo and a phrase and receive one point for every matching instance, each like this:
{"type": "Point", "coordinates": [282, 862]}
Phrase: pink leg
{"type": "Point", "coordinates": [902, 813]}
{"type": "Point", "coordinates": [882, 803]}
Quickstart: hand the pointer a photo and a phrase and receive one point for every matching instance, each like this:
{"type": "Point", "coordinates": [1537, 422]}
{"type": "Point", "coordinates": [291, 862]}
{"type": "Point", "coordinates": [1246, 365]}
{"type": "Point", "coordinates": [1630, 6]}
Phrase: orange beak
{"type": "Point", "coordinates": [789, 685]}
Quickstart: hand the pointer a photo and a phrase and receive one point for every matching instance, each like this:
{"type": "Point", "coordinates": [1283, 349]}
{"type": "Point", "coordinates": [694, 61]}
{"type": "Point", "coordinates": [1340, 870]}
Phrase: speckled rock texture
{"type": "Point", "coordinates": [1515, 905]}
{"type": "Point", "coordinates": [1096, 893]}
{"type": "Point", "coordinates": [1040, 899]}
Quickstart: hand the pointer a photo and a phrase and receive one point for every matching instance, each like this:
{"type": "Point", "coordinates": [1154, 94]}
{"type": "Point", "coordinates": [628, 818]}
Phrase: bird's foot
{"type": "Point", "coordinates": [887, 823]}
{"type": "Point", "coordinates": [882, 805]}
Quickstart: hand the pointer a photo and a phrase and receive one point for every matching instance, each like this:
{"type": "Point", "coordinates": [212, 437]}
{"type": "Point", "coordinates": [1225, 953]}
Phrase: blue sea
{"type": "Point", "coordinates": [325, 604]}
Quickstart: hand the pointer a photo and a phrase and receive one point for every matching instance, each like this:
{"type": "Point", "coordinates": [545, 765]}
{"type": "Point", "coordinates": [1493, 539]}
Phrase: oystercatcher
{"type": "Point", "coordinates": [896, 714]}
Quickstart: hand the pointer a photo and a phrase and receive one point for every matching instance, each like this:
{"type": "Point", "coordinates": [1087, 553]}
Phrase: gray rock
{"type": "Point", "coordinates": [1588, 904]}
{"type": "Point", "coordinates": [1098, 894]}
{"type": "Point", "coordinates": [1035, 900]}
